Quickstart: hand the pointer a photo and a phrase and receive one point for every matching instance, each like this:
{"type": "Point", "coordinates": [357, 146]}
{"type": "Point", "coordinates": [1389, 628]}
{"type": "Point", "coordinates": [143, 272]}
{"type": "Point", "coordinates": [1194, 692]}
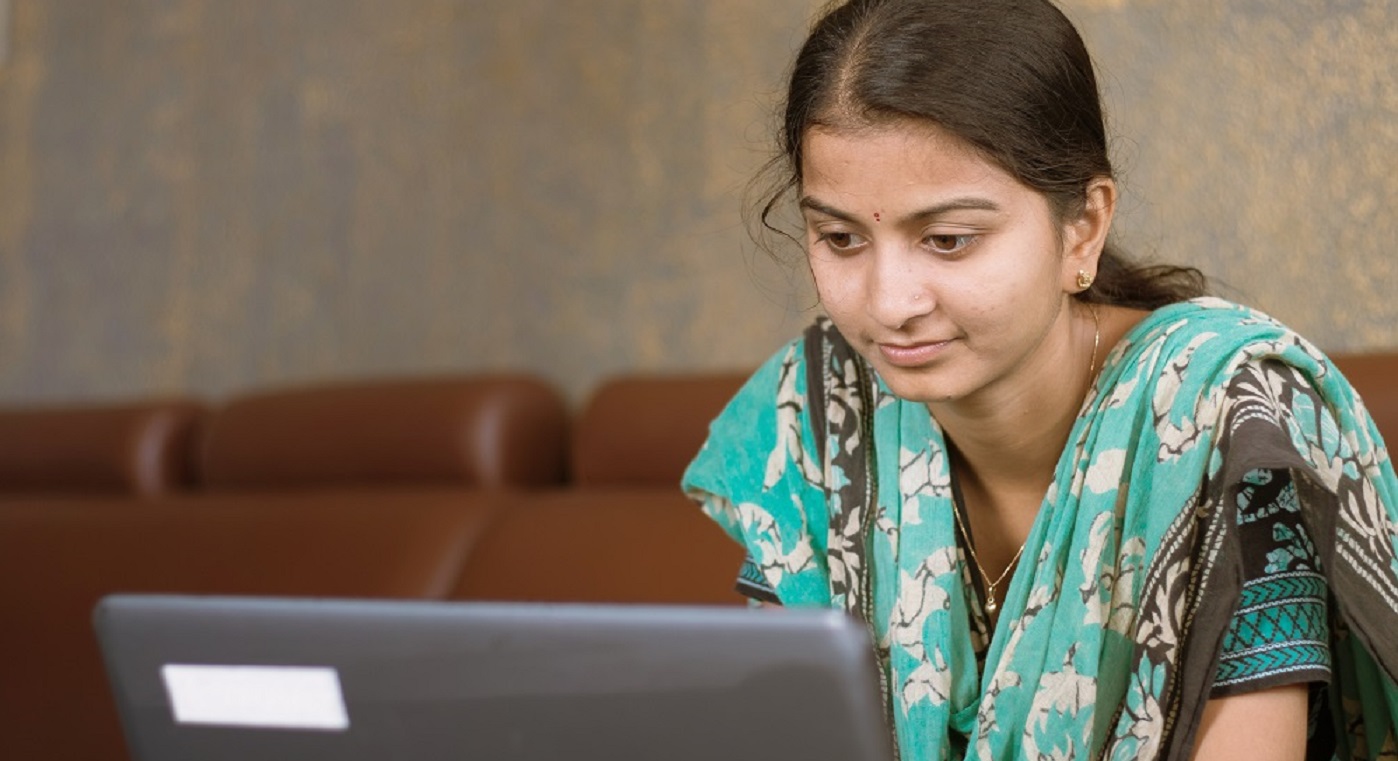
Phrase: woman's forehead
{"type": "Point", "coordinates": [895, 156]}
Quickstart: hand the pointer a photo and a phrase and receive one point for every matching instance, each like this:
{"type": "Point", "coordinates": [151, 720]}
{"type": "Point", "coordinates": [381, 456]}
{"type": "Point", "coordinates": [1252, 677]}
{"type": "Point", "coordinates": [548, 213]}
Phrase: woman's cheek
{"type": "Point", "coordinates": [837, 286]}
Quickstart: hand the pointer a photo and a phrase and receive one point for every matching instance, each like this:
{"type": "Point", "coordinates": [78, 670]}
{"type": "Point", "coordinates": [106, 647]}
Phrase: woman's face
{"type": "Point", "coordinates": [942, 270]}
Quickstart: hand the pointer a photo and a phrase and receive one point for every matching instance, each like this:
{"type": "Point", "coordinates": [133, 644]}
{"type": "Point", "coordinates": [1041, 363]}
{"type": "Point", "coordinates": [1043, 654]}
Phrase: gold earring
{"type": "Point", "coordinates": [1084, 279]}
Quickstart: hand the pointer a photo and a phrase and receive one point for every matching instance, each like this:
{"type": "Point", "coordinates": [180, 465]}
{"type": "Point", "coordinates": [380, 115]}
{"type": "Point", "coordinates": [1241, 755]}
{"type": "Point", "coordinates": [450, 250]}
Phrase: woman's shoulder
{"type": "Point", "coordinates": [769, 404]}
{"type": "Point", "coordinates": [765, 431]}
{"type": "Point", "coordinates": [787, 375]}
{"type": "Point", "coordinates": [1204, 315]}
{"type": "Point", "coordinates": [1210, 332]}
{"type": "Point", "coordinates": [1188, 357]}
{"type": "Point", "coordinates": [778, 375]}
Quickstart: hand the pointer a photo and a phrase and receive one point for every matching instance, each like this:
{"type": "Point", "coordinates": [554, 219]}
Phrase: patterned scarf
{"type": "Point", "coordinates": [1111, 629]}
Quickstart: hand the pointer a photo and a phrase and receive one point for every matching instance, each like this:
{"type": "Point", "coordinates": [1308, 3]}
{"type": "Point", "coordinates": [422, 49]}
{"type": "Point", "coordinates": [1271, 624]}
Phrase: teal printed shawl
{"type": "Point", "coordinates": [1110, 633]}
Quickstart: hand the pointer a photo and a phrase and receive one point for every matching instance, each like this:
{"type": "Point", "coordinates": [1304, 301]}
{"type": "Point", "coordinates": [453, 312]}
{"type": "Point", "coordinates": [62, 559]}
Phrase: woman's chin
{"type": "Point", "coordinates": [919, 386]}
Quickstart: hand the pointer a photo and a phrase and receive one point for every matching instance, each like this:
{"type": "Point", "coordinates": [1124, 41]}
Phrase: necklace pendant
{"type": "Point", "coordinates": [991, 607]}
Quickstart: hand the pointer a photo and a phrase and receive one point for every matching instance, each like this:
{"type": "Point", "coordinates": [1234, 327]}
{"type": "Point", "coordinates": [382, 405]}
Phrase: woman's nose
{"type": "Point", "coordinates": [896, 293]}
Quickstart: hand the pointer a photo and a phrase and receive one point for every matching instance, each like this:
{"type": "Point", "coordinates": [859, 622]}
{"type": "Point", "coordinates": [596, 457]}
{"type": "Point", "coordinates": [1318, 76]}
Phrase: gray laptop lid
{"type": "Point", "coordinates": [270, 679]}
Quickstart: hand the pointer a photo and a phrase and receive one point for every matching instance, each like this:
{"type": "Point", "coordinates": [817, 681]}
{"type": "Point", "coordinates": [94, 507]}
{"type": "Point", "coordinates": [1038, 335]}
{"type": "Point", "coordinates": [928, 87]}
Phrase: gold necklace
{"type": "Point", "coordinates": [992, 606]}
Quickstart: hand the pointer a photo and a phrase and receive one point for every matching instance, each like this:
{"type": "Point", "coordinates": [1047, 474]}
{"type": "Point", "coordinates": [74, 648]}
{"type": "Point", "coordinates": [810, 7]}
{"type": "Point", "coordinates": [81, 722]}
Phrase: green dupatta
{"type": "Point", "coordinates": [1110, 633]}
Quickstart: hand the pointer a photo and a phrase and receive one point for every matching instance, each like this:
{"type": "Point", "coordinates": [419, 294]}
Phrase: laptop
{"type": "Point", "coordinates": [217, 678]}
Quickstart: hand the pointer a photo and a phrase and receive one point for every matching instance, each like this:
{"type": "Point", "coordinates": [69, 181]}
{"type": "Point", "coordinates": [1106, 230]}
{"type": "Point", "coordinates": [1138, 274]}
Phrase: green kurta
{"type": "Point", "coordinates": [1109, 640]}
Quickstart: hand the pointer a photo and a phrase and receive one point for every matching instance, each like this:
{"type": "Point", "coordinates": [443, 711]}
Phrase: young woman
{"type": "Point", "coordinates": [1084, 510]}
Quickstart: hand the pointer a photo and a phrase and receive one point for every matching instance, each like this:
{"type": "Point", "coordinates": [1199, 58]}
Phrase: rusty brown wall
{"type": "Point", "coordinates": [205, 196]}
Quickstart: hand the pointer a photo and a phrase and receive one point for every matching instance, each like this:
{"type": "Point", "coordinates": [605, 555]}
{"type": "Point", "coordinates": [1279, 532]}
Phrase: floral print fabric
{"type": "Point", "coordinates": [1113, 624]}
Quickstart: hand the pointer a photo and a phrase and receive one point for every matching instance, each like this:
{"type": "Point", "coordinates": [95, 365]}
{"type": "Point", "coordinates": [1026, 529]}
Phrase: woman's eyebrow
{"type": "Point", "coordinates": [809, 202]}
{"type": "Point", "coordinates": [963, 203]}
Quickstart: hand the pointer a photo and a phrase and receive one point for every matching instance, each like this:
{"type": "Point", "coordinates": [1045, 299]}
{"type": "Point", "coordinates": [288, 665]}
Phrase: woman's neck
{"type": "Point", "coordinates": [1014, 448]}
{"type": "Point", "coordinates": [1010, 439]}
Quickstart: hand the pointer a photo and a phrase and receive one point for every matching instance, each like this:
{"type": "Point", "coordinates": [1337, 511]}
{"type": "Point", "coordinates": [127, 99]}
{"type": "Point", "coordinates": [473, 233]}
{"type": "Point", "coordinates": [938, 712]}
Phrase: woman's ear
{"type": "Point", "coordinates": [1085, 236]}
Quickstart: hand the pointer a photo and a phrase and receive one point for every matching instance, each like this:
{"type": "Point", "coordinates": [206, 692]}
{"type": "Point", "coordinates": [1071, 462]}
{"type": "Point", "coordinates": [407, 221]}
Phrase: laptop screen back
{"type": "Point", "coordinates": [240, 678]}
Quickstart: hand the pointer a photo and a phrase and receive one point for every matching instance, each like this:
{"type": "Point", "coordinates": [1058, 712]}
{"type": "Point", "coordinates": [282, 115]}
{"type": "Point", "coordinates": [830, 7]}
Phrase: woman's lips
{"type": "Point", "coordinates": [912, 355]}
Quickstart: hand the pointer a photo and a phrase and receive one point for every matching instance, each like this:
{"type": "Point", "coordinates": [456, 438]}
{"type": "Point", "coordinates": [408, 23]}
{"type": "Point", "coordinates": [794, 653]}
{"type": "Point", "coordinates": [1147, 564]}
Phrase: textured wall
{"type": "Point", "coordinates": [1259, 141]}
{"type": "Point", "coordinates": [204, 196]}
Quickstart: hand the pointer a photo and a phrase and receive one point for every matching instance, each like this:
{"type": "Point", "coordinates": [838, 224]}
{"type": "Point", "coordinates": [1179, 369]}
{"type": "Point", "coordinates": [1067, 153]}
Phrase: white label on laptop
{"type": "Point", "coordinates": [285, 697]}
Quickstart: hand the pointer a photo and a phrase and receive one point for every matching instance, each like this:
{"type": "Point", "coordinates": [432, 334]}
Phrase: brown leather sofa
{"type": "Point", "coordinates": [137, 450]}
{"type": "Point", "coordinates": [426, 489]}
{"type": "Point", "coordinates": [366, 490]}
{"type": "Point", "coordinates": [620, 531]}
{"type": "Point", "coordinates": [465, 489]}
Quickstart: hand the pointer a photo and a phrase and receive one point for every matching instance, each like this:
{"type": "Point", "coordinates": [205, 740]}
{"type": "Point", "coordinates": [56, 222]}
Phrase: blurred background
{"type": "Point", "coordinates": [208, 196]}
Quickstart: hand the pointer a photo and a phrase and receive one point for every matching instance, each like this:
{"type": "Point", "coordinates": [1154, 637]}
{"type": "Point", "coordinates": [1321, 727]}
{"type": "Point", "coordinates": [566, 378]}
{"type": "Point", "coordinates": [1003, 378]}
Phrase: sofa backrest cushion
{"type": "Point", "coordinates": [643, 430]}
{"type": "Point", "coordinates": [482, 431]}
{"type": "Point", "coordinates": [602, 546]}
{"type": "Point", "coordinates": [137, 449]}
{"type": "Point", "coordinates": [58, 557]}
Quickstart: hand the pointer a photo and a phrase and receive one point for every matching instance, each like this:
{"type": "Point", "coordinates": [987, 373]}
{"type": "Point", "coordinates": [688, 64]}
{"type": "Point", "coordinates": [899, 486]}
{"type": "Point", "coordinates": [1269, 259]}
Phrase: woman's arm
{"type": "Point", "coordinates": [1267, 725]}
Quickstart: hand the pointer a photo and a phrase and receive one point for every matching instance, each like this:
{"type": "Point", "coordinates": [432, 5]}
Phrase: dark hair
{"type": "Point", "coordinates": [1010, 77]}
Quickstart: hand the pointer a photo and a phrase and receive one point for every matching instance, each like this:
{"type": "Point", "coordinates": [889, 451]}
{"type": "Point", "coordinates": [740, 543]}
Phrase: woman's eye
{"type": "Point", "coordinates": [841, 241]}
{"type": "Point", "coordinates": [949, 244]}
